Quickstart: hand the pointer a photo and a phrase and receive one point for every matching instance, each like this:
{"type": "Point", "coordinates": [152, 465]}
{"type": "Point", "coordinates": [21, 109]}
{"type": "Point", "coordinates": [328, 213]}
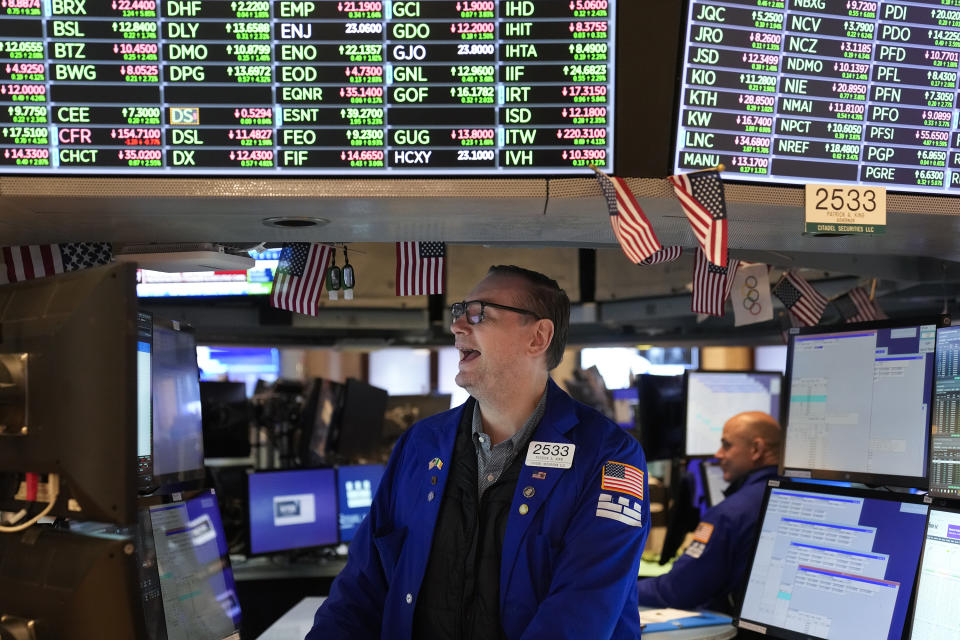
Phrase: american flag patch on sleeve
{"type": "Point", "coordinates": [623, 478]}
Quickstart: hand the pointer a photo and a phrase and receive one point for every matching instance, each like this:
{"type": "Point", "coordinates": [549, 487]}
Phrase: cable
{"type": "Point", "coordinates": [53, 491]}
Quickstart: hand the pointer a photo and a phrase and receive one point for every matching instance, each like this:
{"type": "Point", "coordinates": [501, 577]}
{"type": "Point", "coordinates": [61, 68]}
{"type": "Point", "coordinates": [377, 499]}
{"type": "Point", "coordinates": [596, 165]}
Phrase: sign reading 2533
{"type": "Point", "coordinates": [840, 209]}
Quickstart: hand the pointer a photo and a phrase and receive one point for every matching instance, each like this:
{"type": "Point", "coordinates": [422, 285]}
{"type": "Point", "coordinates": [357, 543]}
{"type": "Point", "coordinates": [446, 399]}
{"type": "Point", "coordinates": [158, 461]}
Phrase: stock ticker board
{"type": "Point", "coordinates": [306, 87]}
{"type": "Point", "coordinates": [823, 91]}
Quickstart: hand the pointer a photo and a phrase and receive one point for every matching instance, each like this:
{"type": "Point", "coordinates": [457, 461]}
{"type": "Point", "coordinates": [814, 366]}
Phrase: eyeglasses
{"type": "Point", "coordinates": [474, 310]}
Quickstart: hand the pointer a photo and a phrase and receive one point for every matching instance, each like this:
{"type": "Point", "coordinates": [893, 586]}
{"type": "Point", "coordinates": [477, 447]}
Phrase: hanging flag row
{"type": "Point", "coordinates": [702, 199]}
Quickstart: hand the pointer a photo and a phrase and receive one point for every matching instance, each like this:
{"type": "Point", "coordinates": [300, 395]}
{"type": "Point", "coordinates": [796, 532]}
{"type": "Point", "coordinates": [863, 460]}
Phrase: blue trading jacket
{"type": "Point", "coordinates": [713, 566]}
{"type": "Point", "coordinates": [565, 572]}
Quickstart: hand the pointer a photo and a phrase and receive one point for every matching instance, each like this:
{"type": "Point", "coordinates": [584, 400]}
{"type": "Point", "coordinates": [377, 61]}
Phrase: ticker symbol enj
{"type": "Point", "coordinates": [184, 116]}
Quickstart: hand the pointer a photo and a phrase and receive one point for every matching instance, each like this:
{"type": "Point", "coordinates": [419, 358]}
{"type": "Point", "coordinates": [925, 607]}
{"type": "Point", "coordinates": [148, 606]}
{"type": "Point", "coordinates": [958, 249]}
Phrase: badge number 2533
{"type": "Point", "coordinates": [558, 455]}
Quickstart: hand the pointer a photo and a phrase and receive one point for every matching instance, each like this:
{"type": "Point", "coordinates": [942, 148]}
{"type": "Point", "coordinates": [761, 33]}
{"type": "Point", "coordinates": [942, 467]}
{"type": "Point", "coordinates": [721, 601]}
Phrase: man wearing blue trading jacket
{"type": "Point", "coordinates": [710, 573]}
{"type": "Point", "coordinates": [521, 514]}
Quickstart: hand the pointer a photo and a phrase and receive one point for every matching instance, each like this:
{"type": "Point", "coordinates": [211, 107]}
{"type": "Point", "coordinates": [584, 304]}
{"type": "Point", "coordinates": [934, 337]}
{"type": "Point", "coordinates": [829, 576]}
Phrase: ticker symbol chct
{"type": "Point", "coordinates": [307, 87]}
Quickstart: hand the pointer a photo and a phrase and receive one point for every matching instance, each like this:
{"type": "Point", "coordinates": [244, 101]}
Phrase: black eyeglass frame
{"type": "Point", "coordinates": [463, 304]}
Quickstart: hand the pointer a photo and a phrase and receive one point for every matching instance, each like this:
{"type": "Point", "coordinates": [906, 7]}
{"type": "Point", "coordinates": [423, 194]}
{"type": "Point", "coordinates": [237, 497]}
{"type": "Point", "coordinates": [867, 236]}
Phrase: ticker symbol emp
{"type": "Point", "coordinates": [184, 116]}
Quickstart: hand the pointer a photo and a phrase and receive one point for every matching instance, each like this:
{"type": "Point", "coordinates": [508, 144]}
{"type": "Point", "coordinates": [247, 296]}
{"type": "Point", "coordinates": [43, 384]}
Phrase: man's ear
{"type": "Point", "coordinates": [757, 448]}
{"type": "Point", "coordinates": [541, 337]}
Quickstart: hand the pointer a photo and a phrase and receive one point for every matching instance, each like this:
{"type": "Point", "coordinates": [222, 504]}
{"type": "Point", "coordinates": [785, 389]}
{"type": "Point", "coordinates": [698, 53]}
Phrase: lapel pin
{"type": "Point", "coordinates": [528, 492]}
{"type": "Point", "coordinates": [540, 475]}
{"type": "Point", "coordinates": [524, 509]}
{"type": "Point", "coordinates": [436, 463]}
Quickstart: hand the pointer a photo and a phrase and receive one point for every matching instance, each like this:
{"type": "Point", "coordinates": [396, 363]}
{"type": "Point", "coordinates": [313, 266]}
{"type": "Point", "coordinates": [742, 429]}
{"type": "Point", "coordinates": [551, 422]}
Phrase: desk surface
{"type": "Point", "coordinates": [297, 622]}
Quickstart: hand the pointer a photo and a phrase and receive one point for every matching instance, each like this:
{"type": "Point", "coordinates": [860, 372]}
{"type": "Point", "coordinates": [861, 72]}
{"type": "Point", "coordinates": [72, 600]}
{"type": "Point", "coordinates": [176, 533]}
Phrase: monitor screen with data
{"type": "Point", "coordinates": [833, 563]}
{"type": "Point", "coordinates": [356, 486]}
{"type": "Point", "coordinates": [822, 91]}
{"type": "Point", "coordinates": [945, 425]}
{"type": "Point", "coordinates": [938, 585]}
{"type": "Point", "coordinates": [860, 404]}
{"type": "Point", "coordinates": [306, 88]}
{"type": "Point", "coordinates": [713, 397]}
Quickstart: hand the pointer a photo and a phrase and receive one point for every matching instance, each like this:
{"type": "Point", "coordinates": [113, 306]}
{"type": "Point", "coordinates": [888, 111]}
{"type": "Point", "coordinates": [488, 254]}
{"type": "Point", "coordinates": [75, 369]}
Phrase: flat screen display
{"type": "Point", "coordinates": [834, 563]}
{"type": "Point", "coordinates": [860, 404]}
{"type": "Point", "coordinates": [197, 588]}
{"type": "Point", "coordinates": [255, 281]}
{"type": "Point", "coordinates": [938, 585]}
{"type": "Point", "coordinates": [301, 87]}
{"type": "Point", "coordinates": [177, 422]}
{"type": "Point", "coordinates": [713, 483]}
{"type": "Point", "coordinates": [144, 400]}
{"type": "Point", "coordinates": [292, 509]}
{"type": "Point", "coordinates": [820, 91]}
{"type": "Point", "coordinates": [356, 485]}
{"type": "Point", "coordinates": [713, 397]}
{"type": "Point", "coordinates": [945, 425]}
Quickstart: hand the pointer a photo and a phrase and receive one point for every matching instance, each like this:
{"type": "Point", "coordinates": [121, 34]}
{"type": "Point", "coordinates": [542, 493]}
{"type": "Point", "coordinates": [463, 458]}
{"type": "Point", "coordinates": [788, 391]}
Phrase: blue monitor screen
{"type": "Point", "coordinates": [357, 486]}
{"type": "Point", "coordinates": [833, 564]}
{"type": "Point", "coordinates": [292, 509]}
{"type": "Point", "coordinates": [934, 610]}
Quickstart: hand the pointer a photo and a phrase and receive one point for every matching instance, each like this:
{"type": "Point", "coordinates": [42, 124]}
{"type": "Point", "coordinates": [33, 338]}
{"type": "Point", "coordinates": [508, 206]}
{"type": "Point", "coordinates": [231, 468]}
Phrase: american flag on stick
{"type": "Point", "coordinates": [26, 262]}
{"type": "Point", "coordinates": [804, 303]}
{"type": "Point", "coordinates": [702, 199]}
{"type": "Point", "coordinates": [711, 284]}
{"type": "Point", "coordinates": [856, 306]}
{"type": "Point", "coordinates": [622, 477]}
{"type": "Point", "coordinates": [421, 268]}
{"type": "Point", "coordinates": [298, 282]}
{"type": "Point", "coordinates": [629, 222]}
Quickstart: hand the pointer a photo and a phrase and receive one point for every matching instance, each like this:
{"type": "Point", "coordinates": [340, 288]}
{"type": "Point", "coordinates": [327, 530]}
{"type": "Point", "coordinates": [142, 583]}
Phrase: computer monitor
{"type": "Point", "coordinates": [860, 403]}
{"type": "Point", "coordinates": [226, 419]}
{"type": "Point", "coordinates": [938, 585]}
{"type": "Point", "coordinates": [144, 400]}
{"type": "Point", "coordinates": [177, 421]}
{"type": "Point", "coordinates": [713, 397]}
{"type": "Point", "coordinates": [68, 399]}
{"type": "Point", "coordinates": [833, 563]}
{"type": "Point", "coordinates": [713, 482]}
{"type": "Point", "coordinates": [324, 399]}
{"type": "Point", "coordinates": [625, 407]}
{"type": "Point", "coordinates": [356, 484]}
{"type": "Point", "coordinates": [944, 472]}
{"type": "Point", "coordinates": [187, 586]}
{"type": "Point", "coordinates": [293, 509]}
{"type": "Point", "coordinates": [71, 585]}
{"type": "Point", "coordinates": [660, 416]}
{"type": "Point", "coordinates": [360, 421]}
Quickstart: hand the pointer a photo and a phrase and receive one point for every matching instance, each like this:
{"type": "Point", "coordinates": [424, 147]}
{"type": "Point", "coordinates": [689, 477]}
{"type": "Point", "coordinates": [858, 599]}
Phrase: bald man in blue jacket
{"type": "Point", "coordinates": [521, 514]}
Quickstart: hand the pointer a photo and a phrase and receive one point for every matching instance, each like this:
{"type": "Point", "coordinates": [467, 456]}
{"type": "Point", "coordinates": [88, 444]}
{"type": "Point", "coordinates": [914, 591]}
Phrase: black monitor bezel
{"type": "Point", "coordinates": [686, 405]}
{"type": "Point", "coordinates": [812, 487]}
{"type": "Point", "coordinates": [873, 479]}
{"type": "Point", "coordinates": [336, 500]}
{"type": "Point", "coordinates": [144, 505]}
{"type": "Point", "coordinates": [705, 480]}
{"type": "Point", "coordinates": [186, 479]}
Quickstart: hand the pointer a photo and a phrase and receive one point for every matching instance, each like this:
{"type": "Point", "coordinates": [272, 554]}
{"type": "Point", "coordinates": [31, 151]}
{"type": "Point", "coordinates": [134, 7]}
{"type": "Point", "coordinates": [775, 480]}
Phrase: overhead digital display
{"type": "Point", "coordinates": [289, 87]}
{"type": "Point", "coordinates": [823, 91]}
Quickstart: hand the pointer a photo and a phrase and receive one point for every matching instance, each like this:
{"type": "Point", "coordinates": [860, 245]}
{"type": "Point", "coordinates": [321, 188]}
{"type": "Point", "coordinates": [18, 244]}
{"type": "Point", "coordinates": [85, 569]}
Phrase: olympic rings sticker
{"type": "Point", "coordinates": [751, 296]}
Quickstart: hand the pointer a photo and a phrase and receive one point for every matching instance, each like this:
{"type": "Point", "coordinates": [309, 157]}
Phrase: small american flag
{"type": "Point", "coordinates": [421, 268]}
{"type": "Point", "coordinates": [856, 306]}
{"type": "Point", "coordinates": [630, 224]}
{"type": "Point", "coordinates": [666, 254]}
{"type": "Point", "coordinates": [711, 284]}
{"type": "Point", "coordinates": [702, 199]}
{"type": "Point", "coordinates": [299, 280]}
{"type": "Point", "coordinates": [27, 262]}
{"type": "Point", "coordinates": [618, 476]}
{"type": "Point", "coordinates": [802, 301]}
